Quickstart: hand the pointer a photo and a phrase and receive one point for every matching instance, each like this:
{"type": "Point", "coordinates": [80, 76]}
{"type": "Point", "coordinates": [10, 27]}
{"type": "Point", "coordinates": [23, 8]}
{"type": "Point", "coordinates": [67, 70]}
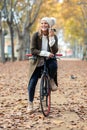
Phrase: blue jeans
{"type": "Point", "coordinates": [52, 70]}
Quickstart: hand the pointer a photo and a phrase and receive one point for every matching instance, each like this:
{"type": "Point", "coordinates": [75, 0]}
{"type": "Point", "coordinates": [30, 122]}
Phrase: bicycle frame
{"type": "Point", "coordinates": [45, 68]}
{"type": "Point", "coordinates": [45, 90]}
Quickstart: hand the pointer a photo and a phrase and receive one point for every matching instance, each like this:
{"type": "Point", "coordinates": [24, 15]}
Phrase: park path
{"type": "Point", "coordinates": [69, 102]}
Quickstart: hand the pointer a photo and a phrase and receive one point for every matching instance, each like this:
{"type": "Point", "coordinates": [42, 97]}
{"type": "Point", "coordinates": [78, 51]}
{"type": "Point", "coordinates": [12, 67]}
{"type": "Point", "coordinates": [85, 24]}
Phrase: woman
{"type": "Point", "coordinates": [44, 43]}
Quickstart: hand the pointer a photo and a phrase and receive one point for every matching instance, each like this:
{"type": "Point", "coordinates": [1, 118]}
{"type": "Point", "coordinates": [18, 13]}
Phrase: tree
{"type": "Point", "coordinates": [20, 16]}
{"type": "Point", "coordinates": [2, 55]}
{"type": "Point", "coordinates": [84, 12]}
{"type": "Point", "coordinates": [75, 19]}
{"type": "Point", "coordinates": [25, 13]}
{"type": "Point", "coordinates": [32, 11]}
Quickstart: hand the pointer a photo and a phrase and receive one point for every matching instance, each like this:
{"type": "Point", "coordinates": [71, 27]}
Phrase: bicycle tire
{"type": "Point", "coordinates": [45, 95]}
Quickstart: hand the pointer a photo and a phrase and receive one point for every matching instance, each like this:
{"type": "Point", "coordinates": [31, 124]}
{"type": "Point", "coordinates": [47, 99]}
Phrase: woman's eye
{"type": "Point", "coordinates": [44, 23]}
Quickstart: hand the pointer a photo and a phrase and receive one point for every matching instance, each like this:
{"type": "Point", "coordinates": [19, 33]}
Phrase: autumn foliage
{"type": "Point", "coordinates": [68, 106]}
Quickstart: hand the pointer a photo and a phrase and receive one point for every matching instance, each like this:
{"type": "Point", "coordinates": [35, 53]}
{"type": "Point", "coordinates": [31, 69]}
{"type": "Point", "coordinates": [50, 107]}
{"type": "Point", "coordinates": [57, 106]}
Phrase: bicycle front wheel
{"type": "Point", "coordinates": [45, 95]}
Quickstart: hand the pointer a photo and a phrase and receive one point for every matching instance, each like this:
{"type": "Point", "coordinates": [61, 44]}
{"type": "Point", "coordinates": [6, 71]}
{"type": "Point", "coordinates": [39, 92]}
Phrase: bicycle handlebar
{"type": "Point", "coordinates": [57, 54]}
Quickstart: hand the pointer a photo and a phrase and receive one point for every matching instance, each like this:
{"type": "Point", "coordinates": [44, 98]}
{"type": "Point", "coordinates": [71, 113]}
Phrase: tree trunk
{"type": "Point", "coordinates": [12, 43]}
{"type": "Point", "coordinates": [85, 52]}
{"type": "Point", "coordinates": [2, 48]}
{"type": "Point", "coordinates": [2, 54]}
{"type": "Point", "coordinates": [23, 45]}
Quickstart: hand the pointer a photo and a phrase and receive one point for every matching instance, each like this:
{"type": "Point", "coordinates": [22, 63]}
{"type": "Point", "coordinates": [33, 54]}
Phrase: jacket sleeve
{"type": "Point", "coordinates": [33, 46]}
{"type": "Point", "coordinates": [54, 47]}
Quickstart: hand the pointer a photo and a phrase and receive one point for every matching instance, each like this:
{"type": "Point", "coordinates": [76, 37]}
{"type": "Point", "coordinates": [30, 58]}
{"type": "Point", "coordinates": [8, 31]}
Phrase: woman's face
{"type": "Point", "coordinates": [44, 25]}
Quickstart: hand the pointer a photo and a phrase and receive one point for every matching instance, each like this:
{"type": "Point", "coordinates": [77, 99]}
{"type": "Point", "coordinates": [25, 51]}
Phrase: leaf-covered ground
{"type": "Point", "coordinates": [68, 103]}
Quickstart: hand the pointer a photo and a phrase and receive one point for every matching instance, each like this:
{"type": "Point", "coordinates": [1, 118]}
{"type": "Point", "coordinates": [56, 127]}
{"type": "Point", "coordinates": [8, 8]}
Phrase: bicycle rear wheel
{"type": "Point", "coordinates": [45, 95]}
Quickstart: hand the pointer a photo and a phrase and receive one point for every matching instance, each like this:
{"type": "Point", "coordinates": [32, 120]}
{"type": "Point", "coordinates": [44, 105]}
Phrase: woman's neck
{"type": "Point", "coordinates": [45, 33]}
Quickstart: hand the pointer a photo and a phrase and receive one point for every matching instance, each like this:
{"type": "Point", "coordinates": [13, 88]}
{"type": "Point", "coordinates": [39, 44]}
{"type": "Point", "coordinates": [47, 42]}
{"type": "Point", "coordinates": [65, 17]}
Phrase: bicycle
{"type": "Point", "coordinates": [45, 88]}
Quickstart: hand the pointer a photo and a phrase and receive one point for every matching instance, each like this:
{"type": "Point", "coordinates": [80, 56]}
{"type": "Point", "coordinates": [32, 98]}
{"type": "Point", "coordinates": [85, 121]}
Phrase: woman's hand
{"type": "Point", "coordinates": [51, 55]}
{"type": "Point", "coordinates": [46, 53]}
{"type": "Point", "coordinates": [51, 32]}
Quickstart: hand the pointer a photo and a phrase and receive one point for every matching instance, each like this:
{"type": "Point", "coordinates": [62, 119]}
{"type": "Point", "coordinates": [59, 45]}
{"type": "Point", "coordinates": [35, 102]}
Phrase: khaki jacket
{"type": "Point", "coordinates": [35, 48]}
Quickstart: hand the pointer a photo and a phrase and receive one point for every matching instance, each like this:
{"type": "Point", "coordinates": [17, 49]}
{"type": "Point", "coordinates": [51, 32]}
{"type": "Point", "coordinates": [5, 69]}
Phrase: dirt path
{"type": "Point", "coordinates": [69, 103]}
